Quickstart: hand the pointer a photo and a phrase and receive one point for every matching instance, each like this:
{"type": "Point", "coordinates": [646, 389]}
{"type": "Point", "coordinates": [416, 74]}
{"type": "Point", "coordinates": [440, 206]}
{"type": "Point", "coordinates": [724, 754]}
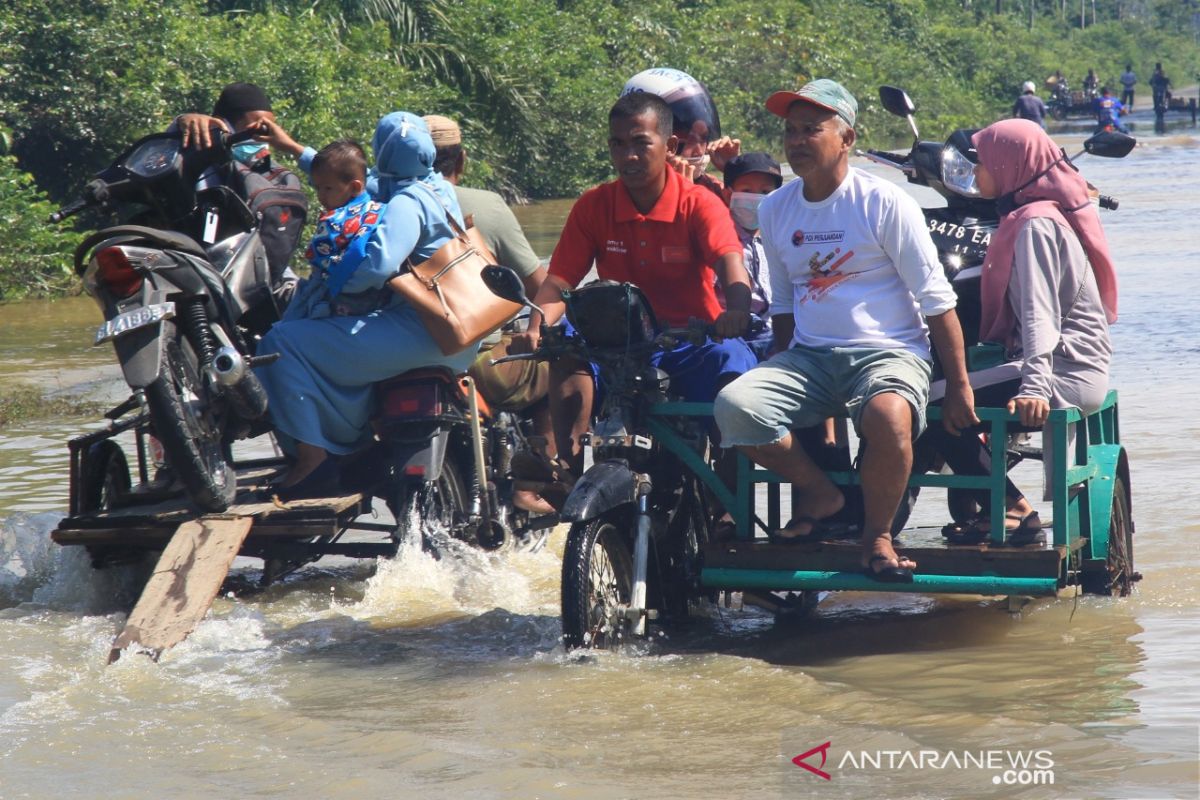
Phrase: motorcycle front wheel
{"type": "Point", "coordinates": [187, 425]}
{"type": "Point", "coordinates": [597, 582]}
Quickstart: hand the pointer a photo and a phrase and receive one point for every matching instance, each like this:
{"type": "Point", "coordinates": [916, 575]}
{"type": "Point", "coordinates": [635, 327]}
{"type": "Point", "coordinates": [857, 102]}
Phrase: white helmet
{"type": "Point", "coordinates": [1028, 86]}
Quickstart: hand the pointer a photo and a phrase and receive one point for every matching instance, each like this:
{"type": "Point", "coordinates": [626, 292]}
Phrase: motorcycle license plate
{"type": "Point", "coordinates": [132, 320]}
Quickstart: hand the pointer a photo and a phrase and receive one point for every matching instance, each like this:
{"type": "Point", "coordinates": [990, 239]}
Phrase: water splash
{"type": "Point", "coordinates": [35, 570]}
{"type": "Point", "coordinates": [421, 586]}
{"type": "Point", "coordinates": [25, 554]}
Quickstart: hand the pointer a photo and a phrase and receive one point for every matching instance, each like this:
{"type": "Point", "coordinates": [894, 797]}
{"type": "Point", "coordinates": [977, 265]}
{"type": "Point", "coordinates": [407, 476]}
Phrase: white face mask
{"type": "Point", "coordinates": [744, 208]}
{"type": "Point", "coordinates": [699, 162]}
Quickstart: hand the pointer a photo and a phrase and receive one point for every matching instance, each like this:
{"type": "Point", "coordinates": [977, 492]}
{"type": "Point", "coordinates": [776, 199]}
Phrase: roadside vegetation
{"type": "Point", "coordinates": [23, 403]}
{"type": "Point", "coordinates": [529, 80]}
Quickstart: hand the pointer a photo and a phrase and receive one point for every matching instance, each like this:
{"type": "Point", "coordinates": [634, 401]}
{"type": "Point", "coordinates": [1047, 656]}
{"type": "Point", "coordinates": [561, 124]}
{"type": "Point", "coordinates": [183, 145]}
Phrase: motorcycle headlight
{"type": "Point", "coordinates": [153, 157]}
{"type": "Point", "coordinates": [958, 173]}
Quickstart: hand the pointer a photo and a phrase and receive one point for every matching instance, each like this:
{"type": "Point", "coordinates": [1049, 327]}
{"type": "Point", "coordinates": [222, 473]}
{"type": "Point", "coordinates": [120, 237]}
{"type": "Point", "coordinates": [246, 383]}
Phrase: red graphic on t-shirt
{"type": "Point", "coordinates": [824, 274]}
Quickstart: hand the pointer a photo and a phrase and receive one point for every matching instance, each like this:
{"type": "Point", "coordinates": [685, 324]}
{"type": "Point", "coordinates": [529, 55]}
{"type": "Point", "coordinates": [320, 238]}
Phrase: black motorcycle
{"type": "Point", "coordinates": [442, 463]}
{"type": "Point", "coordinates": [173, 286]}
{"type": "Point", "coordinates": [640, 516]}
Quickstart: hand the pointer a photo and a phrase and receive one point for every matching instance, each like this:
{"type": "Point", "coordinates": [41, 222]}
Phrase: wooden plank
{"type": "Point", "coordinates": [184, 584]}
{"type": "Point", "coordinates": [933, 556]}
{"type": "Point", "coordinates": [172, 513]}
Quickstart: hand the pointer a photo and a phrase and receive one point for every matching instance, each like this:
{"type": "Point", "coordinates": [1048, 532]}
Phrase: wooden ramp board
{"type": "Point", "coordinates": [184, 584]}
{"type": "Point", "coordinates": [152, 525]}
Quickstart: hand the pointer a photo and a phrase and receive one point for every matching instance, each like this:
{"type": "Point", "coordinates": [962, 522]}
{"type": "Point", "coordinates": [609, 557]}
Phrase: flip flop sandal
{"type": "Point", "coordinates": [1028, 531]}
{"type": "Point", "coordinates": [777, 537]}
{"type": "Point", "coordinates": [967, 532]}
{"type": "Point", "coordinates": [887, 574]}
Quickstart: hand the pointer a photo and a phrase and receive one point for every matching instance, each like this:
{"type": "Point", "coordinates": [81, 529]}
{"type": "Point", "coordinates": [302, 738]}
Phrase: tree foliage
{"type": "Point", "coordinates": [530, 81]}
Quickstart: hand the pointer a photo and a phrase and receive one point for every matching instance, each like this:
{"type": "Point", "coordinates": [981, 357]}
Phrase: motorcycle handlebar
{"type": "Point", "coordinates": [246, 135]}
{"type": "Point", "coordinates": [900, 162]}
{"type": "Point", "coordinates": [695, 333]}
{"type": "Point", "coordinates": [94, 193]}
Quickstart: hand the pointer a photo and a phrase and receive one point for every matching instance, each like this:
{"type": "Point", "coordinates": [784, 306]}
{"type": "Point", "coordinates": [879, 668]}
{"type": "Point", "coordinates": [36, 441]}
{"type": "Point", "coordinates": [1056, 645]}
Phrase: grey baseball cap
{"type": "Point", "coordinates": [823, 93]}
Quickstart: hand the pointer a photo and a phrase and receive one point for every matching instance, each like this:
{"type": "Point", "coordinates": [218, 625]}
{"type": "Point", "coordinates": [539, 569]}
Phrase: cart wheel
{"type": "Point", "coordinates": [597, 582]}
{"type": "Point", "coordinates": [1117, 577]}
{"type": "Point", "coordinates": [104, 484]}
{"type": "Point", "coordinates": [104, 477]}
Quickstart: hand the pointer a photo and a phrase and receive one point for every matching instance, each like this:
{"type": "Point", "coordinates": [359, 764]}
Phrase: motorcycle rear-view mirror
{"type": "Point", "coordinates": [896, 101]}
{"type": "Point", "coordinates": [503, 282]}
{"type": "Point", "coordinates": [1109, 144]}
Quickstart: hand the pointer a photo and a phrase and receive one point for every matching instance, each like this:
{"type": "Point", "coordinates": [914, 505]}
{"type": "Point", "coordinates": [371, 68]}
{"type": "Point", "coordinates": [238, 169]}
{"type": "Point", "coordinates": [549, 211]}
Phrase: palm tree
{"type": "Point", "coordinates": [424, 40]}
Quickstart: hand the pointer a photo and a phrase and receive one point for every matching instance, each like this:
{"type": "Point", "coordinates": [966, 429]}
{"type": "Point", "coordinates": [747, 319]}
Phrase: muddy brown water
{"type": "Point", "coordinates": [445, 679]}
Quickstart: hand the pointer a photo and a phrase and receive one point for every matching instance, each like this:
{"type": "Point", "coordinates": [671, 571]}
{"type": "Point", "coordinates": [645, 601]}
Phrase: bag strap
{"type": "Point", "coordinates": [459, 231]}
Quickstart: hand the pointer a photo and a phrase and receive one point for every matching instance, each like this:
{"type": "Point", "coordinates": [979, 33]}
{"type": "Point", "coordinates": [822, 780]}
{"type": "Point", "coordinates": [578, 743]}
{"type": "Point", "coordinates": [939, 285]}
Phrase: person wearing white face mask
{"type": "Point", "coordinates": [749, 178]}
{"type": "Point", "coordinates": [697, 126]}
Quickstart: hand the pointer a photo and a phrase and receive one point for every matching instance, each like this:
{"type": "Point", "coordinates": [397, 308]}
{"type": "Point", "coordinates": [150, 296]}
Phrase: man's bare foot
{"type": "Point", "coordinates": [809, 513]}
{"type": "Point", "coordinates": [879, 556]}
{"type": "Point", "coordinates": [532, 502]}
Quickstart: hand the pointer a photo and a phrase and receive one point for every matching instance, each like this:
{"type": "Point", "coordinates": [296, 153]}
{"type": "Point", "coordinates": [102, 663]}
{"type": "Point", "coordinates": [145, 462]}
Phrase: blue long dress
{"type": "Point", "coordinates": [321, 389]}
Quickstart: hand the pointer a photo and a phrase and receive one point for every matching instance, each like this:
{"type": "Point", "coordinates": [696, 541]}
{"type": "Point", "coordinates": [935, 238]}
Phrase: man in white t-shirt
{"type": "Point", "coordinates": [854, 280]}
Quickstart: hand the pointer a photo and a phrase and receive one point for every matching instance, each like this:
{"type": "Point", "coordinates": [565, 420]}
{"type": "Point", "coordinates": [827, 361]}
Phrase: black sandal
{"type": "Point", "coordinates": [895, 574]}
{"type": "Point", "coordinates": [968, 532]}
{"type": "Point", "coordinates": [777, 537]}
{"type": "Point", "coordinates": [1028, 531]}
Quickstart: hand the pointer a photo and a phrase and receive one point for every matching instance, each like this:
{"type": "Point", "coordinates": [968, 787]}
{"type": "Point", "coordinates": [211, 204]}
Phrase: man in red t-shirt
{"type": "Point", "coordinates": [667, 236]}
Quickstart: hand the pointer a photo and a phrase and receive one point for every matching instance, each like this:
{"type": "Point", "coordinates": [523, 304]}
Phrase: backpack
{"type": "Point", "coordinates": [278, 198]}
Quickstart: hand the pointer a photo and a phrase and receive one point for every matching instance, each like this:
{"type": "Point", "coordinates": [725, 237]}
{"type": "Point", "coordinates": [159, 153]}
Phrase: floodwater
{"type": "Point", "coordinates": [445, 679]}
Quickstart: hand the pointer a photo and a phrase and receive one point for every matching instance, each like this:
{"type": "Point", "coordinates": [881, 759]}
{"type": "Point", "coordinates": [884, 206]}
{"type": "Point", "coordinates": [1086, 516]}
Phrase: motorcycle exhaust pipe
{"type": "Point", "coordinates": [242, 386]}
{"type": "Point", "coordinates": [228, 366]}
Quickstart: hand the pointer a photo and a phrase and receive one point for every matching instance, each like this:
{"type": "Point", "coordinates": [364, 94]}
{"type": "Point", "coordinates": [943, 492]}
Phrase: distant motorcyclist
{"type": "Point", "coordinates": [1090, 83]}
{"type": "Point", "coordinates": [1108, 111]}
{"type": "Point", "coordinates": [1029, 106]}
{"type": "Point", "coordinates": [1160, 87]}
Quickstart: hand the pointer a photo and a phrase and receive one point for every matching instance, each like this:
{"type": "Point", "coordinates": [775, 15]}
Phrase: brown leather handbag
{"type": "Point", "coordinates": [448, 292]}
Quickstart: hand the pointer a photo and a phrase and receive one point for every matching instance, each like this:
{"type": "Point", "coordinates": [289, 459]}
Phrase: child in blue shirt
{"type": "Point", "coordinates": [339, 173]}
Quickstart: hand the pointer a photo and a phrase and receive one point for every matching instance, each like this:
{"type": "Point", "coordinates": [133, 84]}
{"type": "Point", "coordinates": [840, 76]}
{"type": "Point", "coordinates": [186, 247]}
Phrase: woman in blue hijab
{"type": "Point", "coordinates": [321, 387]}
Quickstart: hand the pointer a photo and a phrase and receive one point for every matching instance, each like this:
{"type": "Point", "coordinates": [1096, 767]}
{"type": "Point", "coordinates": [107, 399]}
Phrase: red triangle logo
{"type": "Point", "coordinates": [823, 749]}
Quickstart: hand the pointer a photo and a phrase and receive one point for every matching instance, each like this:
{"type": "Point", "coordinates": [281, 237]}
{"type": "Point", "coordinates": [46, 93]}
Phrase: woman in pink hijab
{"type": "Point", "coordinates": [1048, 292]}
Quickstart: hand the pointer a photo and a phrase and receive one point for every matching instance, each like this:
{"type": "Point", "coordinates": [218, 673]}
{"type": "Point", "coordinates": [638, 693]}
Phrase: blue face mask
{"type": "Point", "coordinates": [249, 152]}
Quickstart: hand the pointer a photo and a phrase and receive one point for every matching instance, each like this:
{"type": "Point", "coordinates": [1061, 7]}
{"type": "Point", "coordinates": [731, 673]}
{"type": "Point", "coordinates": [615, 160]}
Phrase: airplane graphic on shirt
{"type": "Point", "coordinates": [824, 274]}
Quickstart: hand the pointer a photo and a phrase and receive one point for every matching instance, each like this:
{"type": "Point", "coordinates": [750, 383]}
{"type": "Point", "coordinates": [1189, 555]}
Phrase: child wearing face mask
{"type": "Point", "coordinates": [749, 178]}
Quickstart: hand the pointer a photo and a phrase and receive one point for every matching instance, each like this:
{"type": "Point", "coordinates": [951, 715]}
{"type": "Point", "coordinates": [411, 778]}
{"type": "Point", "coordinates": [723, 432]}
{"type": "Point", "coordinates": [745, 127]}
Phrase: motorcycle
{"type": "Point", "coordinates": [442, 463]}
{"type": "Point", "coordinates": [640, 515]}
{"type": "Point", "coordinates": [173, 286]}
{"type": "Point", "coordinates": [962, 229]}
